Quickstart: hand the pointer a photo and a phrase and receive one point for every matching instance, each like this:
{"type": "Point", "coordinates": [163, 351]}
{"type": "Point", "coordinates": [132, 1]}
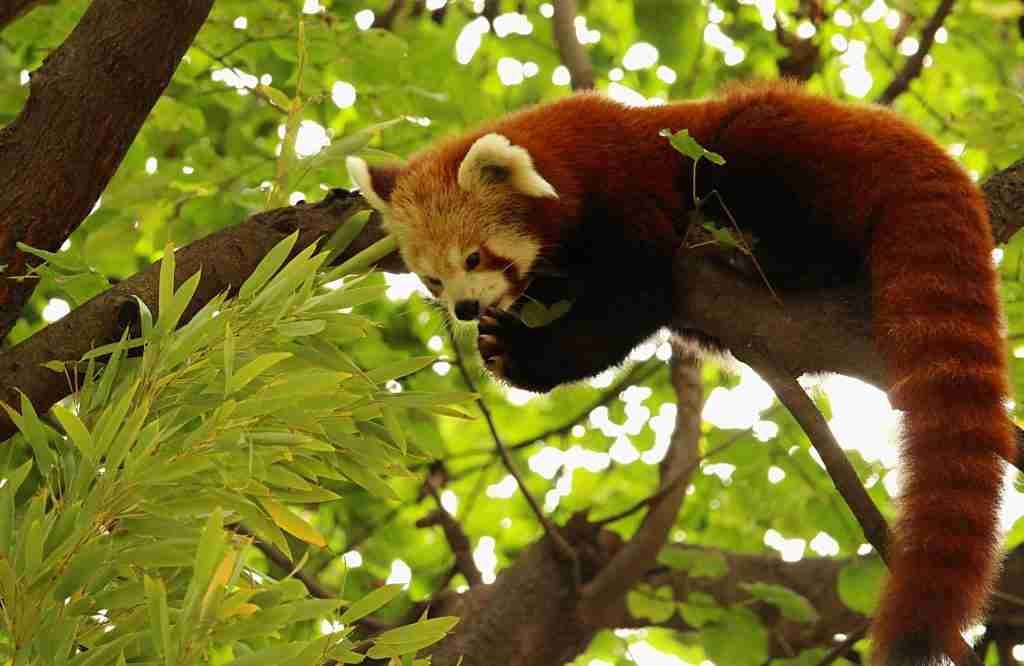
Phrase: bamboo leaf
{"type": "Point", "coordinates": [254, 368]}
{"type": "Point", "coordinates": [373, 601]}
{"type": "Point", "coordinates": [268, 266]}
{"type": "Point", "coordinates": [292, 523]}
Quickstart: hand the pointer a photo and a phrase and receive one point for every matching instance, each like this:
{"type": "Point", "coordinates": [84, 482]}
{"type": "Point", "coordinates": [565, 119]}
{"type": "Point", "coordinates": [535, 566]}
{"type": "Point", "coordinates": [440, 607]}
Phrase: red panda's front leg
{"type": "Point", "coordinates": [596, 334]}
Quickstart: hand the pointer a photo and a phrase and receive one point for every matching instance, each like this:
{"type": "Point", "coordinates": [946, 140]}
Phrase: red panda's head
{"type": "Point", "coordinates": [461, 219]}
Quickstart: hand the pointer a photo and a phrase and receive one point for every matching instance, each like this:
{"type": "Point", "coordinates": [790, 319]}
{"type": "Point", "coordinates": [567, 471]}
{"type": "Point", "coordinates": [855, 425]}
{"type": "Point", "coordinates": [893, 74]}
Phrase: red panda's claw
{"type": "Point", "coordinates": [489, 347]}
{"type": "Point", "coordinates": [496, 364]}
{"type": "Point", "coordinates": [487, 324]}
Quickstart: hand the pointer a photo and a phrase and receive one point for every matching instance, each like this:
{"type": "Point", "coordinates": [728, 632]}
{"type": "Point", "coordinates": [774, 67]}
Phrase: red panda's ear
{"type": "Point", "coordinates": [375, 183]}
{"type": "Point", "coordinates": [493, 159]}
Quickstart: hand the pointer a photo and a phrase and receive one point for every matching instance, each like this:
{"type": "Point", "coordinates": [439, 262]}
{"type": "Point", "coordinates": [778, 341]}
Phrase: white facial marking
{"type": "Point", "coordinates": [359, 172]}
{"type": "Point", "coordinates": [487, 288]}
{"type": "Point", "coordinates": [520, 250]}
{"type": "Point", "coordinates": [495, 150]}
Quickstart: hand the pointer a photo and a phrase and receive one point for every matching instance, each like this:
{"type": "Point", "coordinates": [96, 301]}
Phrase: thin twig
{"type": "Point", "coordinates": [273, 554]}
{"type": "Point", "coordinates": [844, 647]}
{"type": "Point", "coordinates": [454, 534]}
{"type": "Point", "coordinates": [572, 53]}
{"type": "Point", "coordinates": [637, 375]}
{"type": "Point", "coordinates": [912, 67]}
{"type": "Point", "coordinates": [683, 475]}
{"type": "Point", "coordinates": [561, 545]}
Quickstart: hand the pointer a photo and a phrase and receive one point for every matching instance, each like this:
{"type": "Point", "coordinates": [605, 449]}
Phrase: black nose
{"type": "Point", "coordinates": [466, 310]}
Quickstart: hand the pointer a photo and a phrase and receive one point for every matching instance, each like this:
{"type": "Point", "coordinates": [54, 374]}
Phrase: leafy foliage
{"type": "Point", "coordinates": [305, 422]}
{"type": "Point", "coordinates": [113, 540]}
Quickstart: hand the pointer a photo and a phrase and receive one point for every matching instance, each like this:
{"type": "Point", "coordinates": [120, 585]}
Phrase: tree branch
{"type": "Point", "coordinates": [912, 67]}
{"type": "Point", "coordinates": [838, 466]}
{"type": "Point", "coordinates": [453, 533]}
{"type": "Point", "coordinates": [12, 10]}
{"type": "Point", "coordinates": [640, 553]}
{"type": "Point", "coordinates": [1004, 193]}
{"type": "Point", "coordinates": [573, 54]}
{"type": "Point", "coordinates": [85, 106]}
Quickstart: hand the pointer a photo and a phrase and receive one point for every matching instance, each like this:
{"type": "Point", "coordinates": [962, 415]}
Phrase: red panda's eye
{"type": "Point", "coordinates": [472, 261]}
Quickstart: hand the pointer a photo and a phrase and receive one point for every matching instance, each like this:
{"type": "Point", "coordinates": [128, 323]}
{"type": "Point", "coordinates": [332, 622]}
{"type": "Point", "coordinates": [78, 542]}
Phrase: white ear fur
{"type": "Point", "coordinates": [359, 172]}
{"type": "Point", "coordinates": [495, 150]}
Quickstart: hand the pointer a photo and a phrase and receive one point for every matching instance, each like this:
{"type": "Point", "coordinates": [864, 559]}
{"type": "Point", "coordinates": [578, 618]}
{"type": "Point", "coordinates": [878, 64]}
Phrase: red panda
{"type": "Point", "coordinates": [586, 189]}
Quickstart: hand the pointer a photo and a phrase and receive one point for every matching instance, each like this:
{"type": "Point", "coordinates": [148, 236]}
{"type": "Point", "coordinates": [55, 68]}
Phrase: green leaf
{"type": "Point", "coordinates": [738, 639]}
{"type": "Point", "coordinates": [292, 523]}
{"type": "Point", "coordinates": [31, 427]}
{"type": "Point", "coordinates": [687, 145]}
{"type": "Point", "coordinates": [411, 638]}
{"type": "Point", "coordinates": [656, 605]}
{"type": "Point", "coordinates": [170, 311]}
{"type": "Point", "coordinates": [76, 430]}
{"type": "Point", "coordinates": [275, 97]}
{"type": "Point", "coordinates": [296, 329]}
{"type": "Point", "coordinates": [362, 476]}
{"type": "Point", "coordinates": [254, 368]}
{"type": "Point", "coordinates": [346, 233]}
{"type": "Point", "coordinates": [536, 315]}
{"type": "Point", "coordinates": [794, 606]}
{"type": "Point", "coordinates": [268, 266]}
{"type": "Point", "coordinates": [860, 583]}
{"type": "Point", "coordinates": [700, 609]}
{"type": "Point", "coordinates": [345, 297]}
{"type": "Point", "coordinates": [365, 259]}
{"type": "Point", "coordinates": [399, 369]}
{"type": "Point", "coordinates": [160, 619]}
{"type": "Point", "coordinates": [166, 289]}
{"type": "Point", "coordinates": [370, 603]}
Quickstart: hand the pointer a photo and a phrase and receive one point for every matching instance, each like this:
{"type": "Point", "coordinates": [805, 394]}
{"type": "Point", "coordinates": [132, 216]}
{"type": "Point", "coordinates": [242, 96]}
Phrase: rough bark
{"type": "Point", "coordinates": [527, 617]}
{"type": "Point", "coordinates": [85, 106]}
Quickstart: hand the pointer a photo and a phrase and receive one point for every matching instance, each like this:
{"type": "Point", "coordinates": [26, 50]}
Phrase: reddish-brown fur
{"type": "Point", "coordinates": [812, 179]}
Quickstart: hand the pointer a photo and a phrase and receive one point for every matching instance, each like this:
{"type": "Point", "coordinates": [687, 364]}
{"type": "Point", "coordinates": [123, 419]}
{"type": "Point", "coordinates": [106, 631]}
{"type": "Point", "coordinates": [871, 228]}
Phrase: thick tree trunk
{"type": "Point", "coordinates": [85, 106]}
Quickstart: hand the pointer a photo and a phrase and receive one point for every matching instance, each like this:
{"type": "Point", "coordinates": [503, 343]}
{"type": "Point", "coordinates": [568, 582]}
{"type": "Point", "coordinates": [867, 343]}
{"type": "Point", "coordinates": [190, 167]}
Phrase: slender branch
{"type": "Point", "coordinates": [455, 535]}
{"type": "Point", "coordinates": [640, 553]}
{"type": "Point", "coordinates": [803, 56]}
{"type": "Point", "coordinates": [556, 537]}
{"type": "Point", "coordinates": [573, 54]}
{"type": "Point", "coordinates": [838, 466]}
{"type": "Point", "coordinates": [636, 375]}
{"type": "Point", "coordinates": [843, 648]}
{"type": "Point", "coordinates": [912, 67]}
{"type": "Point", "coordinates": [284, 562]}
{"type": "Point", "coordinates": [386, 19]}
{"type": "Point", "coordinates": [682, 477]}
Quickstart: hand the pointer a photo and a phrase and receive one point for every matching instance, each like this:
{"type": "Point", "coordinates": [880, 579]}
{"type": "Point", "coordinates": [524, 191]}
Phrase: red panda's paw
{"type": "Point", "coordinates": [514, 352]}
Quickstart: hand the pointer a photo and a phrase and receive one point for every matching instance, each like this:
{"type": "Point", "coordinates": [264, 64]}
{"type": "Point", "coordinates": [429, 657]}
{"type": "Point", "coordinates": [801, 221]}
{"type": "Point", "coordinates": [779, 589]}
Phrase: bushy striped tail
{"type": "Point", "coordinates": [938, 327]}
